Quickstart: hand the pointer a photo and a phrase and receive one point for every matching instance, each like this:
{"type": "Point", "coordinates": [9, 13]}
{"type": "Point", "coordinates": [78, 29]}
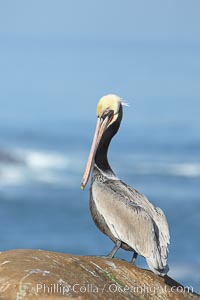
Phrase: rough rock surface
{"type": "Point", "coordinates": [36, 274]}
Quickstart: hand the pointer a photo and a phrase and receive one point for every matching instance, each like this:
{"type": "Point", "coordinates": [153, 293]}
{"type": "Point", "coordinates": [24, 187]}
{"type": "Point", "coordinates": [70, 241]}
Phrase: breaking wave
{"type": "Point", "coordinates": [30, 166]}
{"type": "Point", "coordinates": [183, 169]}
{"type": "Point", "coordinates": [38, 167]}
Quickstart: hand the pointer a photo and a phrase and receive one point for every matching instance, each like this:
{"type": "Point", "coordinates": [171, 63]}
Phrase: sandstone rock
{"type": "Point", "coordinates": [36, 274]}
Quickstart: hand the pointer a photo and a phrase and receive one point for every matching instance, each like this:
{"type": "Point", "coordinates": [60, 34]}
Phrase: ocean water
{"type": "Point", "coordinates": [47, 120]}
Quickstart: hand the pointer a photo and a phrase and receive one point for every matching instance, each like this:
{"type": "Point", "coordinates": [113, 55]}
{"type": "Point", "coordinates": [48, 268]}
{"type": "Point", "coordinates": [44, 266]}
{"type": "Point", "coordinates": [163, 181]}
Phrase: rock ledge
{"type": "Point", "coordinates": [38, 274]}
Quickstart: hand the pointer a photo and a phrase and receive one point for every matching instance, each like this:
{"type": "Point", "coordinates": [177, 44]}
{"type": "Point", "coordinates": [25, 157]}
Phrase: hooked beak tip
{"type": "Point", "coordinates": [82, 186]}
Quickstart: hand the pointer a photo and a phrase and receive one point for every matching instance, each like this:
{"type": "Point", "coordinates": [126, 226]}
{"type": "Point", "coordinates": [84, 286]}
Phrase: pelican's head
{"type": "Point", "coordinates": [109, 104]}
{"type": "Point", "coordinates": [108, 109]}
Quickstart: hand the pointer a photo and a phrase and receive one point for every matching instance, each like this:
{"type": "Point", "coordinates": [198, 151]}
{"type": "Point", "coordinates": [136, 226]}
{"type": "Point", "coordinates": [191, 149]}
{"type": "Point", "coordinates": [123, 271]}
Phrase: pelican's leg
{"type": "Point", "coordinates": [135, 254]}
{"type": "Point", "coordinates": [114, 250]}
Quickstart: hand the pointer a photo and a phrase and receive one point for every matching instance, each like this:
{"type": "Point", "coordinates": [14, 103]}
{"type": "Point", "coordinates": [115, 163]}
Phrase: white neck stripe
{"type": "Point", "coordinates": [109, 175]}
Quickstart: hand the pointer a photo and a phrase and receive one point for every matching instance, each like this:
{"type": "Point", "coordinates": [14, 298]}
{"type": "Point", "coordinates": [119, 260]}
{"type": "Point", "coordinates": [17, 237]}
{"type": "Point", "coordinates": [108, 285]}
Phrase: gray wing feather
{"type": "Point", "coordinates": [157, 215]}
{"type": "Point", "coordinates": [127, 219]}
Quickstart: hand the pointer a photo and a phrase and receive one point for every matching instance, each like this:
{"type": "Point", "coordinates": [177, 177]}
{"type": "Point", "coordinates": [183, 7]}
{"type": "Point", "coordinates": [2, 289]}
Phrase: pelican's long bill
{"type": "Point", "coordinates": [102, 124]}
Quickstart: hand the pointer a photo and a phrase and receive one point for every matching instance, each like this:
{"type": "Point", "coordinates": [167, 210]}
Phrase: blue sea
{"type": "Point", "coordinates": [49, 93]}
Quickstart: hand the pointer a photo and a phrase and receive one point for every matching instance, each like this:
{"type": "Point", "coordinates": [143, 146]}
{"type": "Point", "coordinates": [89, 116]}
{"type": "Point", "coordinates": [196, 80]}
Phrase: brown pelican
{"type": "Point", "coordinates": [126, 216]}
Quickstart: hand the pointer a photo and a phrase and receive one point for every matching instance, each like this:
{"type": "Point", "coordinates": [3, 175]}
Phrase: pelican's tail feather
{"type": "Point", "coordinates": [159, 271]}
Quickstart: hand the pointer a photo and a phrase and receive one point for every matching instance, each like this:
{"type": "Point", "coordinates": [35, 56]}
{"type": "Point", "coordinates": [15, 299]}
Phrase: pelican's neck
{"type": "Point", "coordinates": [101, 157]}
{"type": "Point", "coordinates": [109, 175]}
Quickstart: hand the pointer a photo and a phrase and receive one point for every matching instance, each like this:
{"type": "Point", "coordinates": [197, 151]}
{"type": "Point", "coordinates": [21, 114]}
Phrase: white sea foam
{"type": "Point", "coordinates": [11, 175]}
{"type": "Point", "coordinates": [45, 160]}
{"type": "Point", "coordinates": [184, 169]}
{"type": "Point", "coordinates": [65, 169]}
{"type": "Point", "coordinates": [38, 167]}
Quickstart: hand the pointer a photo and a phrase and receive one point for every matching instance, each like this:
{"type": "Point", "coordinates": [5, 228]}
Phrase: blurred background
{"type": "Point", "coordinates": [57, 58]}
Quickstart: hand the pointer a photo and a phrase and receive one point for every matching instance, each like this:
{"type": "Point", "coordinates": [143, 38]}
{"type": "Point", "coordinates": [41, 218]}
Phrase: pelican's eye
{"type": "Point", "coordinates": [108, 113]}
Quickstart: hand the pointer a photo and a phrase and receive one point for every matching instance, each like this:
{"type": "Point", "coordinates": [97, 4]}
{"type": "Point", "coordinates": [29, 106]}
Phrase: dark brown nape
{"type": "Point", "coordinates": [101, 158]}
